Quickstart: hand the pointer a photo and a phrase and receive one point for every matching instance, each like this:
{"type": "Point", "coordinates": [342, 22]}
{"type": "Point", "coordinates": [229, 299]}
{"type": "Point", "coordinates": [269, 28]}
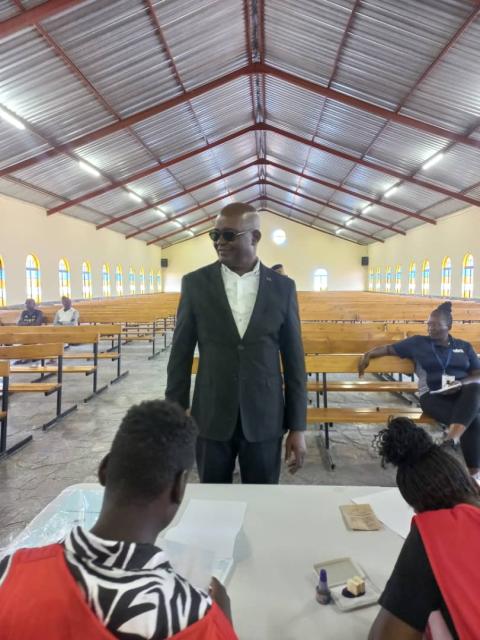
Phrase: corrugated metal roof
{"type": "Point", "coordinates": [114, 58]}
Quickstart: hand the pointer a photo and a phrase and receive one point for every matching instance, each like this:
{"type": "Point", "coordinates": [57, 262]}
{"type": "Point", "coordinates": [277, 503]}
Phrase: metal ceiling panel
{"type": "Point", "coordinates": [346, 128]}
{"type": "Point", "coordinates": [7, 10]}
{"type": "Point", "coordinates": [113, 203]}
{"type": "Point", "coordinates": [404, 148]}
{"type": "Point", "coordinates": [449, 96]}
{"type": "Point", "coordinates": [115, 45]}
{"type": "Point", "coordinates": [119, 155]}
{"type": "Point", "coordinates": [16, 145]}
{"type": "Point", "coordinates": [206, 37]}
{"type": "Point", "coordinates": [37, 86]}
{"type": "Point", "coordinates": [459, 168]}
{"type": "Point", "coordinates": [171, 133]}
{"type": "Point", "coordinates": [392, 43]}
{"type": "Point", "coordinates": [303, 119]}
{"type": "Point", "coordinates": [324, 165]}
{"type": "Point", "coordinates": [303, 37]}
{"type": "Point", "coordinates": [224, 110]}
{"type": "Point", "coordinates": [159, 185]}
{"type": "Point", "coordinates": [236, 152]}
{"type": "Point", "coordinates": [61, 175]}
{"type": "Point", "coordinates": [10, 187]}
{"type": "Point", "coordinates": [369, 181]}
{"type": "Point", "coordinates": [286, 151]}
{"type": "Point", "coordinates": [445, 208]}
{"type": "Point", "coordinates": [413, 198]}
{"type": "Point", "coordinates": [194, 170]}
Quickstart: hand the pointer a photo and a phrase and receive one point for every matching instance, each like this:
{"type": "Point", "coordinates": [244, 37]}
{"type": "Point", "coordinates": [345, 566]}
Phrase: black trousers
{"type": "Point", "coordinates": [462, 407]}
{"type": "Point", "coordinates": [259, 461]}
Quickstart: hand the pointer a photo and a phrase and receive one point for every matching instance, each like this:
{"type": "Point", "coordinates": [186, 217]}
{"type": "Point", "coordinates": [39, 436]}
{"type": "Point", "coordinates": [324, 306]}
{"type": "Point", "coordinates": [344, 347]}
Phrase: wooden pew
{"type": "Point", "coordinates": [39, 352]}
{"type": "Point", "coordinates": [5, 450]}
{"type": "Point", "coordinates": [67, 335]}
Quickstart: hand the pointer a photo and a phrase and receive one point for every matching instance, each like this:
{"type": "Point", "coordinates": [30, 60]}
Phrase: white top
{"type": "Point", "coordinates": [241, 293]}
{"type": "Point", "coordinates": [71, 317]}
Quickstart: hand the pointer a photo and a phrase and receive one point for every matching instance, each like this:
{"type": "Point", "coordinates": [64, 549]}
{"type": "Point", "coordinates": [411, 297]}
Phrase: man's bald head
{"type": "Point", "coordinates": [238, 226]}
{"type": "Point", "coordinates": [244, 214]}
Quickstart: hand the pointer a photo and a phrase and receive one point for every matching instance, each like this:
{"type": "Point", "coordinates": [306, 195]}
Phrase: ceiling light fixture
{"type": "Point", "coordinates": [177, 223]}
{"type": "Point", "coordinates": [134, 196]}
{"type": "Point", "coordinates": [160, 212]}
{"type": "Point", "coordinates": [390, 191]}
{"type": "Point", "coordinates": [338, 231]}
{"type": "Point", "coordinates": [349, 222]}
{"type": "Point", "coordinates": [88, 168]}
{"type": "Point", "coordinates": [432, 161]}
{"type": "Point", "coordinates": [11, 119]}
{"type": "Point", "coordinates": [366, 208]}
{"type": "Point", "coordinates": [190, 232]}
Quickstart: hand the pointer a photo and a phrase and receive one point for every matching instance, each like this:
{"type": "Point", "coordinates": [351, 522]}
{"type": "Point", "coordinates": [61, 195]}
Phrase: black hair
{"type": "Point", "coordinates": [154, 443]}
{"type": "Point", "coordinates": [277, 266]}
{"type": "Point", "coordinates": [429, 477]}
{"type": "Point", "coordinates": [445, 310]}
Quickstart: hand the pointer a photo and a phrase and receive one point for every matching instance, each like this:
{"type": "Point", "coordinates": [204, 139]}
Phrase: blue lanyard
{"type": "Point", "coordinates": [445, 364]}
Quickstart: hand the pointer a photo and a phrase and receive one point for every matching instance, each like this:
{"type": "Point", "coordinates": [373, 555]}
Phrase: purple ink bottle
{"type": "Point", "coordinates": [322, 591]}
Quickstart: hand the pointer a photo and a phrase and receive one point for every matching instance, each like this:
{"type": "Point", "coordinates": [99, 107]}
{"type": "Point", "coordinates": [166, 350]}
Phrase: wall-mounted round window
{"type": "Point", "coordinates": [279, 236]}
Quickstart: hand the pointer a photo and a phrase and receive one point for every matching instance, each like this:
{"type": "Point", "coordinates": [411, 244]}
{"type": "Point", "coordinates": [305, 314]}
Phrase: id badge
{"type": "Point", "coordinates": [447, 380]}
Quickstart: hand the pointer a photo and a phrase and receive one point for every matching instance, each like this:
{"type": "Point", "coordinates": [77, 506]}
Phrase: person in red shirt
{"type": "Point", "coordinates": [113, 581]}
{"type": "Point", "coordinates": [434, 586]}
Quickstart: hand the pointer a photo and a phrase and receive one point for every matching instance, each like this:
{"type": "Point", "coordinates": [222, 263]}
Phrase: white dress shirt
{"type": "Point", "coordinates": [241, 293]}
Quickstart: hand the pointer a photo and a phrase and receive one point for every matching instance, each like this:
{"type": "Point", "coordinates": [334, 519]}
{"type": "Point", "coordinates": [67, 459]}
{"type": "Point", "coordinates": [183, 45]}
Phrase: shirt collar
{"type": "Point", "coordinates": [88, 547]}
{"type": "Point", "coordinates": [255, 271]}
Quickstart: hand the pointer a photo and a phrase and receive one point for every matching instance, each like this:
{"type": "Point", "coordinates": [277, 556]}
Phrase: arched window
{"type": "Point", "coordinates": [151, 281]}
{"type": "Point", "coordinates": [3, 290]}
{"type": "Point", "coordinates": [119, 280]}
{"type": "Point", "coordinates": [426, 278]}
{"type": "Point", "coordinates": [320, 280]}
{"type": "Point", "coordinates": [378, 279]}
{"type": "Point", "coordinates": [32, 270]}
{"type": "Point", "coordinates": [106, 286]}
{"type": "Point", "coordinates": [398, 279]}
{"type": "Point", "coordinates": [412, 277]}
{"type": "Point", "coordinates": [370, 279]}
{"type": "Point", "coordinates": [142, 280]}
{"type": "Point", "coordinates": [467, 280]}
{"type": "Point", "coordinates": [159, 280]}
{"type": "Point", "coordinates": [388, 279]}
{"type": "Point", "coordinates": [446, 288]}
{"type": "Point", "coordinates": [87, 280]}
{"type": "Point", "coordinates": [64, 286]}
{"type": "Point", "coordinates": [132, 287]}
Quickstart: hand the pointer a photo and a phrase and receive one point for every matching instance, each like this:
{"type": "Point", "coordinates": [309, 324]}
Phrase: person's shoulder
{"type": "Point", "coordinates": [200, 274]}
{"type": "Point", "coordinates": [461, 344]}
{"type": "Point", "coordinates": [278, 278]}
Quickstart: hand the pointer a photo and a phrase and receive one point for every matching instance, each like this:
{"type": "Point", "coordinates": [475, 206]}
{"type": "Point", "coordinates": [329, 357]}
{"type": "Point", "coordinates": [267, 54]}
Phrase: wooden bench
{"type": "Point", "coordinates": [39, 352]}
{"type": "Point", "coordinates": [45, 335]}
{"type": "Point", "coordinates": [348, 363]}
{"type": "Point", "coordinates": [5, 450]}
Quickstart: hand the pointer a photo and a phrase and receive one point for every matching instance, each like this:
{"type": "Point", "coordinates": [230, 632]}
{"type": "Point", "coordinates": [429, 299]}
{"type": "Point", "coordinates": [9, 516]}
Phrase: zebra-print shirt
{"type": "Point", "coordinates": [130, 587]}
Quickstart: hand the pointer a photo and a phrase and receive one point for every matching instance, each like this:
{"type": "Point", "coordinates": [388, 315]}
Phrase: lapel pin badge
{"type": "Point", "coordinates": [269, 279]}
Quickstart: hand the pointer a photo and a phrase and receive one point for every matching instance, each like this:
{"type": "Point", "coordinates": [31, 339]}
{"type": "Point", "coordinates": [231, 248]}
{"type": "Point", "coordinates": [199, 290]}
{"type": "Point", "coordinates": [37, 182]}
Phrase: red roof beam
{"type": "Point", "coordinates": [352, 214]}
{"type": "Point", "coordinates": [332, 222]}
{"type": "Point", "coordinates": [151, 170]}
{"type": "Point", "coordinates": [31, 17]}
{"type": "Point", "coordinates": [159, 203]}
{"type": "Point", "coordinates": [192, 210]}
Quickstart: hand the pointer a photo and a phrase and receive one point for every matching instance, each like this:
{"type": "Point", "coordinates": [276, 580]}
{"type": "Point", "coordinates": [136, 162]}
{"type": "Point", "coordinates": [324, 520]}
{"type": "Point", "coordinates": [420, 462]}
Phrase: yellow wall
{"type": "Point", "coordinates": [453, 236]}
{"type": "Point", "coordinates": [25, 229]}
{"type": "Point", "coordinates": [304, 251]}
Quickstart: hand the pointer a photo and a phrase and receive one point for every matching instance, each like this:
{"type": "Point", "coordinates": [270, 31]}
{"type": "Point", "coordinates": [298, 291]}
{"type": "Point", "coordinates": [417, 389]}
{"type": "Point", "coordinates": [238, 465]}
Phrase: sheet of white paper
{"type": "Point", "coordinates": [391, 509]}
{"type": "Point", "coordinates": [210, 524]}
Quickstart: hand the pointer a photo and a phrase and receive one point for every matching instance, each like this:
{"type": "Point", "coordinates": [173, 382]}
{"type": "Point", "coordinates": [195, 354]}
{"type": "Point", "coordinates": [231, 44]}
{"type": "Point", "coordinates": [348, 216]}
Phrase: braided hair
{"type": "Point", "coordinates": [429, 477]}
{"type": "Point", "coordinates": [445, 310]}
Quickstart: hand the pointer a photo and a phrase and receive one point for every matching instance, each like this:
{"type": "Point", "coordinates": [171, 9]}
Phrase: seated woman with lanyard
{"type": "Point", "coordinates": [441, 360]}
{"type": "Point", "coordinates": [433, 590]}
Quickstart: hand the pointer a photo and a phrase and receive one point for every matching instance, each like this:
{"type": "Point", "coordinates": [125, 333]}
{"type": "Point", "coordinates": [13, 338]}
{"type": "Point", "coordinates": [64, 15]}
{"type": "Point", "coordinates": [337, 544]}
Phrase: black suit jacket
{"type": "Point", "coordinates": [238, 374]}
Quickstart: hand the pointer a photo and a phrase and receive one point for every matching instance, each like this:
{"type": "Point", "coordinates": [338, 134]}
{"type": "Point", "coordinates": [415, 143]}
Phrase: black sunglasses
{"type": "Point", "coordinates": [228, 236]}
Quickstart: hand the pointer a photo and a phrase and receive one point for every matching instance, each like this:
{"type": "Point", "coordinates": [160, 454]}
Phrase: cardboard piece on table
{"type": "Point", "coordinates": [360, 517]}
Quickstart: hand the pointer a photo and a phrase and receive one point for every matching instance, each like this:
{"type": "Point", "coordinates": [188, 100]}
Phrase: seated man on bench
{"type": "Point", "coordinates": [30, 316]}
{"type": "Point", "coordinates": [113, 581]}
{"type": "Point", "coordinates": [67, 316]}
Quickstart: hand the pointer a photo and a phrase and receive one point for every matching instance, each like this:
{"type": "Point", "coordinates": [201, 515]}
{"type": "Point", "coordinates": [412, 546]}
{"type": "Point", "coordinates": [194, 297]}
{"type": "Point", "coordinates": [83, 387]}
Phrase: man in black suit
{"type": "Point", "coordinates": [244, 317]}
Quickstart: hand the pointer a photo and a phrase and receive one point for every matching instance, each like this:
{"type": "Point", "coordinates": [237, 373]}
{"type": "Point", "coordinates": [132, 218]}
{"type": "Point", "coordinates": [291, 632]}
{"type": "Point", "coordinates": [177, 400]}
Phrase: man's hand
{"type": "Point", "coordinates": [295, 450]}
{"type": "Point", "coordinates": [219, 594]}
{"type": "Point", "coordinates": [363, 364]}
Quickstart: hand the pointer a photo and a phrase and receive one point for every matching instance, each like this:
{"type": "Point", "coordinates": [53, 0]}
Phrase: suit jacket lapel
{"type": "Point", "coordinates": [260, 303]}
{"type": "Point", "coordinates": [221, 297]}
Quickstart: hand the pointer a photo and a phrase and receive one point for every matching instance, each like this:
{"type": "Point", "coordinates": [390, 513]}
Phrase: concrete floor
{"type": "Point", "coordinates": [70, 452]}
